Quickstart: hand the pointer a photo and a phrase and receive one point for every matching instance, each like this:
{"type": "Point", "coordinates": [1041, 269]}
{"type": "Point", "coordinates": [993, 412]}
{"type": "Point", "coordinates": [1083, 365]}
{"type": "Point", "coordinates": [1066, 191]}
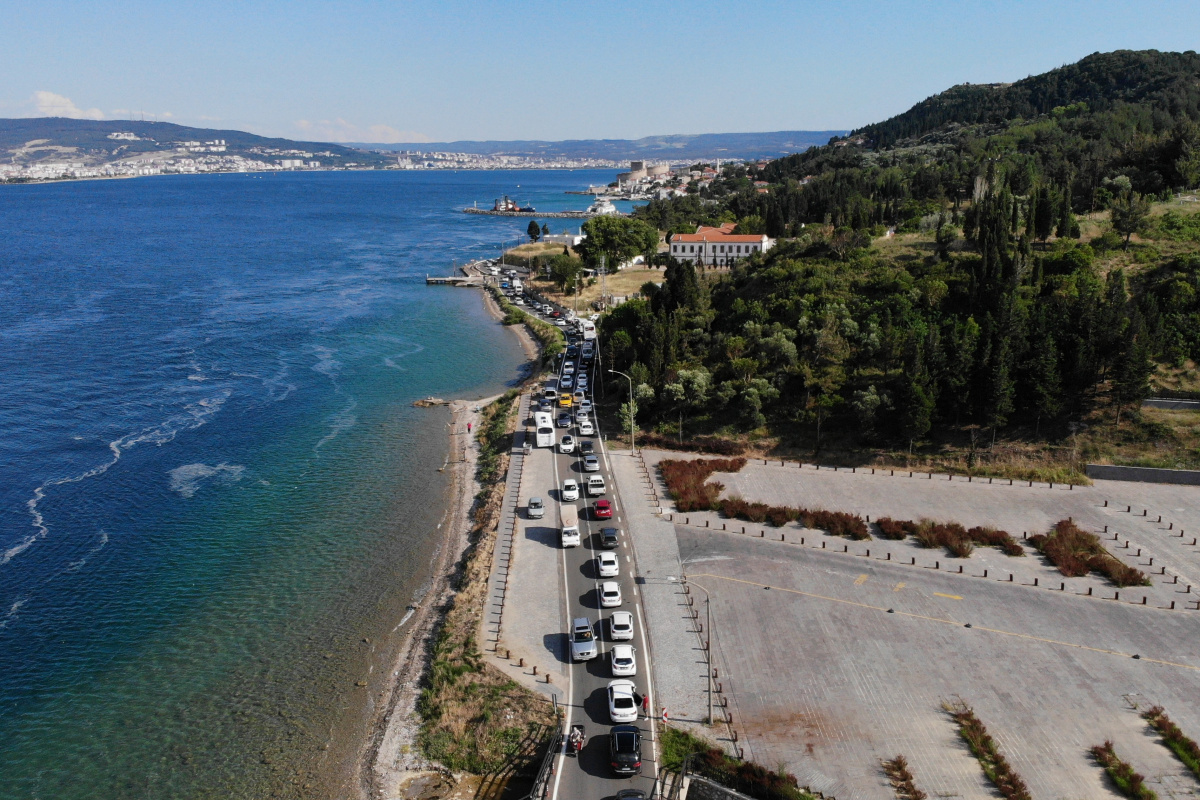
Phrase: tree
{"type": "Point", "coordinates": [534, 230]}
{"type": "Point", "coordinates": [617, 239]}
{"type": "Point", "coordinates": [564, 270]}
{"type": "Point", "coordinates": [1129, 214]}
{"type": "Point", "coordinates": [545, 230]}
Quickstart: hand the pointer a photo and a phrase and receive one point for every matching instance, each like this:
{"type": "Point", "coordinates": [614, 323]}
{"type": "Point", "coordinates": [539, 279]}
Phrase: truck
{"type": "Point", "coordinates": [570, 526]}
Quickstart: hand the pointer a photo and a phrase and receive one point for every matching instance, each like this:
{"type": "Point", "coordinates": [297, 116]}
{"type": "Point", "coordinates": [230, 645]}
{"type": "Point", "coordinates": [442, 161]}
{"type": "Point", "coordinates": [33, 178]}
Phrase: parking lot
{"type": "Point", "coordinates": [820, 677]}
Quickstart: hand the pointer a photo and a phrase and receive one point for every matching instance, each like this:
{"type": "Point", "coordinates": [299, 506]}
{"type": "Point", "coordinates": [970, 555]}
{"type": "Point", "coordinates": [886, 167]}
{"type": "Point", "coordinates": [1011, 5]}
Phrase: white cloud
{"type": "Point", "coordinates": [49, 104]}
{"type": "Point", "coordinates": [339, 130]}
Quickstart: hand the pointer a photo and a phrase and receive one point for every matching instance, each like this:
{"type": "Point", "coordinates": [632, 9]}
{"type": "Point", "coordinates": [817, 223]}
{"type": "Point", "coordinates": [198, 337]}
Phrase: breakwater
{"type": "Point", "coordinates": [489, 212]}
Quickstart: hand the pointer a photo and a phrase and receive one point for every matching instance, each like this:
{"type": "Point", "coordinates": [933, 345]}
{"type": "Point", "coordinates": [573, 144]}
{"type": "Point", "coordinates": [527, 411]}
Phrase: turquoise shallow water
{"type": "Point", "coordinates": [213, 487]}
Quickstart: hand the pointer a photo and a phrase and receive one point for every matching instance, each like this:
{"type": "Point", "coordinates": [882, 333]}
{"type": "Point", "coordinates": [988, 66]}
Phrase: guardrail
{"type": "Point", "coordinates": [542, 782]}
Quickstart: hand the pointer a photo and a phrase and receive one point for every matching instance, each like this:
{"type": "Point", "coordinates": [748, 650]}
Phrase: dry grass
{"type": "Point", "coordinates": [621, 284]}
{"type": "Point", "coordinates": [1076, 553]}
{"type": "Point", "coordinates": [531, 249]}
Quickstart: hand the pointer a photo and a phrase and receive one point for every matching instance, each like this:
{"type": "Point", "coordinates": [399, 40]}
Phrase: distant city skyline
{"type": "Point", "coordinates": [420, 72]}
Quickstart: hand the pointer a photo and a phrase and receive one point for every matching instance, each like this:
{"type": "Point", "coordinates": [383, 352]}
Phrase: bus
{"type": "Point", "coordinates": [589, 330]}
{"type": "Point", "coordinates": [543, 424]}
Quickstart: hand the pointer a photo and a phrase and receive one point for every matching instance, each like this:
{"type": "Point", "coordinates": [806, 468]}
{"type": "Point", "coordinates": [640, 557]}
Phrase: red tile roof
{"type": "Point", "coordinates": [716, 237]}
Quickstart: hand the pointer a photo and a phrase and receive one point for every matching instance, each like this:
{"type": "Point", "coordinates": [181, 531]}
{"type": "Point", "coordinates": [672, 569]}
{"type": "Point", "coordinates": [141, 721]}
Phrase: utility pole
{"type": "Point", "coordinates": [632, 414]}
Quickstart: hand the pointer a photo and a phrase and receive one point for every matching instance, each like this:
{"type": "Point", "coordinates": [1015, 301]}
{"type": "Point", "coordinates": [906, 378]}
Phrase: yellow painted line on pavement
{"type": "Point", "coordinates": [951, 596]}
{"type": "Point", "coordinates": [860, 580]}
{"type": "Point", "coordinates": [898, 586]}
{"type": "Point", "coordinates": [955, 623]}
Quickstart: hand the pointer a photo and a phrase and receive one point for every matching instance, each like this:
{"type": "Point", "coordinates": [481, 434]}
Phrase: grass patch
{"type": "Point", "coordinates": [744, 776]}
{"type": "Point", "coordinates": [902, 779]}
{"type": "Point", "coordinates": [1184, 747]}
{"type": "Point", "coordinates": [1128, 782]}
{"type": "Point", "coordinates": [983, 747]}
{"type": "Point", "coordinates": [473, 717]}
{"type": "Point", "coordinates": [1076, 553]}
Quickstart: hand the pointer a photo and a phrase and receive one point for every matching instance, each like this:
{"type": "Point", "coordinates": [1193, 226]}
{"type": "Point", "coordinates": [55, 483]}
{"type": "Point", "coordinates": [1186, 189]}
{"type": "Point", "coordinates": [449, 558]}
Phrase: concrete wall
{"type": "Point", "coordinates": [1172, 405]}
{"type": "Point", "coordinates": [1106, 472]}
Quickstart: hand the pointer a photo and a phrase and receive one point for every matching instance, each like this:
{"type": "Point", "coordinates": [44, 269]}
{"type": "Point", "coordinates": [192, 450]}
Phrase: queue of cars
{"type": "Point", "coordinates": [568, 398]}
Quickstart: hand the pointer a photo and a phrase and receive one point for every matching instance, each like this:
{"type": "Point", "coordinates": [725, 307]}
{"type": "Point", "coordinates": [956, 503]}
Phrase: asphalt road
{"type": "Point", "coordinates": [588, 776]}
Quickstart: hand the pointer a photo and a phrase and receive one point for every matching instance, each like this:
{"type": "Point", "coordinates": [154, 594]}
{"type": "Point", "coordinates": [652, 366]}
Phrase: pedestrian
{"type": "Point", "coordinates": [468, 427]}
{"type": "Point", "coordinates": [646, 706]}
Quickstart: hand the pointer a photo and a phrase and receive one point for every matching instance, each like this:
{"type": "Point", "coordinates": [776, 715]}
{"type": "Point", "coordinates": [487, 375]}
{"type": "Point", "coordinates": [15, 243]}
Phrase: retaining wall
{"type": "Point", "coordinates": [1106, 472]}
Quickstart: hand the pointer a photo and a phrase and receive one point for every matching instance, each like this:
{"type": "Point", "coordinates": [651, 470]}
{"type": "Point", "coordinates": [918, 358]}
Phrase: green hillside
{"type": "Point", "coordinates": [992, 264]}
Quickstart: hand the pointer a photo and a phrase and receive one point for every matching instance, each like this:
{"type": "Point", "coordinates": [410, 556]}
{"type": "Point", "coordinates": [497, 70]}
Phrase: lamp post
{"type": "Point", "coordinates": [632, 448]}
{"type": "Point", "coordinates": [707, 642]}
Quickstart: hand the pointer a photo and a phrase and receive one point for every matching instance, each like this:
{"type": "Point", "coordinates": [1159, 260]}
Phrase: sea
{"type": "Point", "coordinates": [217, 501]}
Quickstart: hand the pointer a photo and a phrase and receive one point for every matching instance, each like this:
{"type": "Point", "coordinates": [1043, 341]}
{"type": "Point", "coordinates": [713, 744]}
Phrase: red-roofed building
{"type": "Point", "coordinates": [717, 246]}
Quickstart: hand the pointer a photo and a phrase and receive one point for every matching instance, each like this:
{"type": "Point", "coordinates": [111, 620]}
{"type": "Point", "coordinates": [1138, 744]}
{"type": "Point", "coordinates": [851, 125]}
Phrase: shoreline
{"type": "Point", "coordinates": [390, 762]}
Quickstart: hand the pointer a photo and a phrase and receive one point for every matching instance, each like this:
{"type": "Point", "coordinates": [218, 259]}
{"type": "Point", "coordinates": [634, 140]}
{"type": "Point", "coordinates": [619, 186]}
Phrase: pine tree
{"type": "Point", "coordinates": [534, 230]}
{"type": "Point", "coordinates": [1066, 221]}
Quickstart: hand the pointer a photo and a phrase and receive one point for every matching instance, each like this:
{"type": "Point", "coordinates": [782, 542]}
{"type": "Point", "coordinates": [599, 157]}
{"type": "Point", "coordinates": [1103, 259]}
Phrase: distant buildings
{"type": "Point", "coordinates": [717, 246]}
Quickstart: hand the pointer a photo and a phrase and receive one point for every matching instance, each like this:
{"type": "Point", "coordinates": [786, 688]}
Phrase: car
{"type": "Point", "coordinates": [591, 463]}
{"type": "Point", "coordinates": [564, 420]}
{"type": "Point", "coordinates": [625, 756]}
{"type": "Point", "coordinates": [560, 323]}
{"type": "Point", "coordinates": [579, 396]}
{"type": "Point", "coordinates": [586, 447]}
{"type": "Point", "coordinates": [581, 382]}
{"type": "Point", "coordinates": [630, 794]}
{"type": "Point", "coordinates": [570, 490]}
{"type": "Point", "coordinates": [583, 639]}
{"type": "Point", "coordinates": [545, 404]}
{"type": "Point", "coordinates": [608, 565]}
{"type": "Point", "coordinates": [624, 665]}
{"type": "Point", "coordinates": [569, 366]}
{"type": "Point", "coordinates": [567, 382]}
{"type": "Point", "coordinates": [582, 416]}
{"type": "Point", "coordinates": [595, 486]}
{"type": "Point", "coordinates": [556, 315]}
{"type": "Point", "coordinates": [621, 707]}
{"type": "Point", "coordinates": [536, 509]}
{"type": "Point", "coordinates": [610, 594]}
{"type": "Point", "coordinates": [586, 428]}
{"type": "Point", "coordinates": [567, 444]}
{"type": "Point", "coordinates": [620, 626]}
{"type": "Point", "coordinates": [602, 509]}
{"type": "Point", "coordinates": [564, 400]}
{"type": "Point", "coordinates": [610, 538]}
{"type": "Point", "coordinates": [586, 404]}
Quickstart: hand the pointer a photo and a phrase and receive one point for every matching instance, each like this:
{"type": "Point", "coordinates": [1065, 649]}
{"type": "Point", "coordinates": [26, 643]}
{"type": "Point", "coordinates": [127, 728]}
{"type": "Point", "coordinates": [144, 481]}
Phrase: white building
{"type": "Point", "coordinates": [717, 246]}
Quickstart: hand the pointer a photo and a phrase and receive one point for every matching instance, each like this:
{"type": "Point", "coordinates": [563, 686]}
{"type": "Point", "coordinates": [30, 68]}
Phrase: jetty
{"type": "Point", "coordinates": [456, 280]}
{"type": "Point", "coordinates": [491, 212]}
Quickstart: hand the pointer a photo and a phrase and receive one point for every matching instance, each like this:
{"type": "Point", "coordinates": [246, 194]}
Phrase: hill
{"type": "Point", "coordinates": [1011, 264]}
{"type": "Point", "coordinates": [30, 140]}
{"type": "Point", "coordinates": [674, 148]}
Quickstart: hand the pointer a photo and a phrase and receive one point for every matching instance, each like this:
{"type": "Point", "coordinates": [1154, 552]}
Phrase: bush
{"type": "Point", "coordinates": [700, 444]}
{"type": "Point", "coordinates": [686, 481]}
{"type": "Point", "coordinates": [1076, 553]}
{"type": "Point", "coordinates": [1131, 784]}
{"type": "Point", "coordinates": [895, 530]}
{"type": "Point", "coordinates": [1184, 747]}
{"type": "Point", "coordinates": [983, 747]}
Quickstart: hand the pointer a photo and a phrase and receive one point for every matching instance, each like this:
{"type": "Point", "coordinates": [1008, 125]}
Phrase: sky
{"type": "Point", "coordinates": [401, 71]}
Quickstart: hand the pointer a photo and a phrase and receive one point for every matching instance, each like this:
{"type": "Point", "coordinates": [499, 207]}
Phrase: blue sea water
{"type": "Point", "coordinates": [215, 497]}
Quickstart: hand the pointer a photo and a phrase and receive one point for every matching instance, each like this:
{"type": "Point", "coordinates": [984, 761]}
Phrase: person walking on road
{"type": "Point", "coordinates": [646, 706]}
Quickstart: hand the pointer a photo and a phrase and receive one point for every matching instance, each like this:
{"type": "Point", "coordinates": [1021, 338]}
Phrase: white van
{"type": "Point", "coordinates": [570, 526]}
{"type": "Point", "coordinates": [595, 486]}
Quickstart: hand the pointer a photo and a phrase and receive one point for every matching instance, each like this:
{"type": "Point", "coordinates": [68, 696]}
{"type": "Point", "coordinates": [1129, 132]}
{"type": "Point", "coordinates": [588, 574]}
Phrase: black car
{"type": "Point", "coordinates": [625, 750]}
{"type": "Point", "coordinates": [609, 538]}
{"type": "Point", "coordinates": [631, 794]}
{"type": "Point", "coordinates": [586, 447]}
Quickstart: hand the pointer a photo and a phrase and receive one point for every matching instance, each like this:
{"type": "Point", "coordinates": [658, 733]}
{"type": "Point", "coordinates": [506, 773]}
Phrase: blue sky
{"type": "Point", "coordinates": [418, 71]}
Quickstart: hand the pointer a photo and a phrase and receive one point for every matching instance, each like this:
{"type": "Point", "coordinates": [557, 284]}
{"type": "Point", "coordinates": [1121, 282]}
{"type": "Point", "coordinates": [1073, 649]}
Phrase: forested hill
{"type": "Point", "coordinates": [1022, 266]}
{"type": "Point", "coordinates": [1169, 82]}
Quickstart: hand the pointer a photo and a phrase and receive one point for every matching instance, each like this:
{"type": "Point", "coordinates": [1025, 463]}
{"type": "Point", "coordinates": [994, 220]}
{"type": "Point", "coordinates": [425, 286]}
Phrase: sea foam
{"type": "Point", "coordinates": [187, 479]}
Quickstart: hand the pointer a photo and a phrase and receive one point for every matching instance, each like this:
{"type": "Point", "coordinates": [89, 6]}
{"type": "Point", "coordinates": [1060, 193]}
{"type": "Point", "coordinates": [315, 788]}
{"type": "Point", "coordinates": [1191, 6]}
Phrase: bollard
{"type": "Point", "coordinates": [1106, 529]}
{"type": "Point", "coordinates": [722, 526]}
{"type": "Point", "coordinates": [1159, 518]}
{"type": "Point", "coordinates": [868, 554]}
{"type": "Point", "coordinates": [845, 548]}
{"type": "Point", "coordinates": [985, 573]}
{"type": "Point", "coordinates": [1071, 487]}
{"type": "Point", "coordinates": [960, 569]}
{"type": "Point", "coordinates": [1143, 601]}
{"type": "Point", "coordinates": [1024, 534]}
{"type": "Point", "coordinates": [1035, 581]}
{"type": "Point", "coordinates": [892, 472]}
{"type": "Point", "coordinates": [1143, 512]}
{"type": "Point", "coordinates": [1172, 605]}
{"type": "Point", "coordinates": [535, 669]}
{"type": "Point", "coordinates": [1031, 484]}
{"type": "Point", "coordinates": [822, 545]}
{"type": "Point", "coordinates": [868, 517]}
{"type": "Point", "coordinates": [914, 561]}
{"type": "Point", "coordinates": [735, 736]}
{"type": "Point", "coordinates": [547, 677]}
{"type": "Point", "coordinates": [937, 565]}
{"type": "Point", "coordinates": [521, 663]}
{"type": "Point", "coordinates": [1170, 526]}
{"type": "Point", "coordinates": [989, 481]}
{"type": "Point", "coordinates": [782, 538]}
{"type": "Point", "coordinates": [1010, 577]}
{"type": "Point", "coordinates": [761, 533]}
{"type": "Point", "coordinates": [1089, 594]}
{"type": "Point", "coordinates": [1116, 595]}
{"type": "Point", "coordinates": [1062, 587]}
{"type": "Point", "coordinates": [910, 473]}
{"type": "Point", "coordinates": [1139, 552]}
{"type": "Point", "coordinates": [801, 540]}
{"type": "Point", "coordinates": [1106, 504]}
{"type": "Point", "coordinates": [1051, 484]}
{"type": "Point", "coordinates": [968, 479]}
{"type": "Point", "coordinates": [889, 557]}
{"type": "Point", "coordinates": [706, 523]}
{"type": "Point", "coordinates": [743, 529]}
{"type": "Point", "coordinates": [1127, 508]}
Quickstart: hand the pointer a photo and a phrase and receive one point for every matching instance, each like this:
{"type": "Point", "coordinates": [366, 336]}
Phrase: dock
{"type": "Point", "coordinates": [488, 212]}
{"type": "Point", "coordinates": [455, 280]}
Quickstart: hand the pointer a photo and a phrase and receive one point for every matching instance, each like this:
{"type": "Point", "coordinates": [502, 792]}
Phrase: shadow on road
{"type": "Point", "coordinates": [559, 646]}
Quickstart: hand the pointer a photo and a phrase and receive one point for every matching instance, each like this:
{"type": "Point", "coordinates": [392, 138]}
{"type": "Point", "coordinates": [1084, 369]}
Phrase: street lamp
{"type": "Point", "coordinates": [632, 448]}
{"type": "Point", "coordinates": [707, 643]}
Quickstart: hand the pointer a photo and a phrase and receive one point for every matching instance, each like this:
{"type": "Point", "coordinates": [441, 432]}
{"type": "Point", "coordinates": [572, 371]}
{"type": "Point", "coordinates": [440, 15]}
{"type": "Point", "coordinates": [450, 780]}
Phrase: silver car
{"type": "Point", "coordinates": [536, 508]}
{"type": "Point", "coordinates": [591, 464]}
{"type": "Point", "coordinates": [583, 639]}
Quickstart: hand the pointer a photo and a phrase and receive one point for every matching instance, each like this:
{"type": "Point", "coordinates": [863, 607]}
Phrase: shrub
{"type": "Point", "coordinates": [893, 529]}
{"type": "Point", "coordinates": [1184, 747]}
{"type": "Point", "coordinates": [1076, 553]}
{"type": "Point", "coordinates": [983, 747]}
{"type": "Point", "coordinates": [902, 779]}
{"type": "Point", "coordinates": [686, 481]}
{"type": "Point", "coordinates": [1131, 784]}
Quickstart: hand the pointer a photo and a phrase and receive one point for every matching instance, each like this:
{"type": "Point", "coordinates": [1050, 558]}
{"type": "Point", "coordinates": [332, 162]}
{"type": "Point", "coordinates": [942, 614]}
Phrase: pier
{"type": "Point", "coordinates": [540, 215]}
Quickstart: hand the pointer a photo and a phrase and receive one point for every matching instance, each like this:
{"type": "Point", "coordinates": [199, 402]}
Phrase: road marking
{"type": "Point", "coordinates": [898, 586]}
{"type": "Point", "coordinates": [951, 596]}
{"type": "Point", "coordinates": [860, 580]}
{"type": "Point", "coordinates": [955, 623]}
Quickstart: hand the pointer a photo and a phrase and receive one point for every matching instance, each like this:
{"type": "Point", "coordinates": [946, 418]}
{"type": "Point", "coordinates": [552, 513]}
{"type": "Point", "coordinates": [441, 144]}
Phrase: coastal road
{"type": "Point", "coordinates": [589, 776]}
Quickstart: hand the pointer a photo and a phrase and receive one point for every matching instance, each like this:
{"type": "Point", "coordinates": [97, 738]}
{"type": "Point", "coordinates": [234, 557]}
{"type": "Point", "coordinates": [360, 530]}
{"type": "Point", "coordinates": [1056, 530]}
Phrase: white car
{"type": "Point", "coordinates": [582, 380]}
{"type": "Point", "coordinates": [586, 428]}
{"type": "Point", "coordinates": [610, 594]}
{"type": "Point", "coordinates": [608, 565]}
{"type": "Point", "coordinates": [624, 665]}
{"type": "Point", "coordinates": [570, 490]}
{"type": "Point", "coordinates": [621, 707]}
{"type": "Point", "coordinates": [582, 416]}
{"type": "Point", "coordinates": [567, 444]}
{"type": "Point", "coordinates": [567, 381]}
{"type": "Point", "coordinates": [620, 626]}
{"type": "Point", "coordinates": [585, 404]}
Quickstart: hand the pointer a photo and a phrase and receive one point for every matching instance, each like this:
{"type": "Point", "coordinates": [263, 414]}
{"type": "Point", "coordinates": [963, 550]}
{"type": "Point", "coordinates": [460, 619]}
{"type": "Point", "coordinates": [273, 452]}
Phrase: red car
{"type": "Point", "coordinates": [603, 509]}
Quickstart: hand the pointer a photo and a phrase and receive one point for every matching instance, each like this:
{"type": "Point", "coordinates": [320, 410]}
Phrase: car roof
{"type": "Point", "coordinates": [579, 622]}
{"type": "Point", "coordinates": [535, 499]}
{"type": "Point", "coordinates": [610, 586]}
{"type": "Point", "coordinates": [568, 480]}
{"type": "Point", "coordinates": [622, 614]}
{"type": "Point", "coordinates": [622, 648]}
{"type": "Point", "coordinates": [608, 555]}
{"type": "Point", "coordinates": [621, 686]}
